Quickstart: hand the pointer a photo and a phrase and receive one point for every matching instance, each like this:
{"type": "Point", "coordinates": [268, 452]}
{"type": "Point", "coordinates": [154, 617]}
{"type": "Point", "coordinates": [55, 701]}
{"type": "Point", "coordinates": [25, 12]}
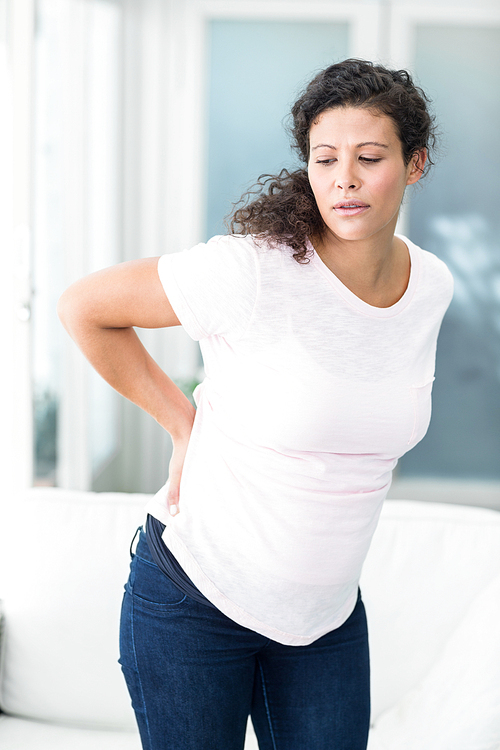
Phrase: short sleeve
{"type": "Point", "coordinates": [213, 286]}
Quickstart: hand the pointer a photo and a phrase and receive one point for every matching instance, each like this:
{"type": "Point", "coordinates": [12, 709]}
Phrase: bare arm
{"type": "Point", "coordinates": [99, 313]}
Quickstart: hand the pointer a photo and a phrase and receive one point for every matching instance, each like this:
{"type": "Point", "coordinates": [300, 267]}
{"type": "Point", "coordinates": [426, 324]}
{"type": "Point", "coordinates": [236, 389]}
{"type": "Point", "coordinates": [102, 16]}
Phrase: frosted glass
{"type": "Point", "coordinates": [456, 216]}
{"type": "Point", "coordinates": [256, 70]}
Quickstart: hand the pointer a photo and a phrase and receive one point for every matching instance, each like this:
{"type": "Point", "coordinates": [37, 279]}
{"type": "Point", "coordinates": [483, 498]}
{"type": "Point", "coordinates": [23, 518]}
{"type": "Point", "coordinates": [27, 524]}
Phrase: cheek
{"type": "Point", "coordinates": [319, 186]}
{"type": "Point", "coordinates": [389, 185]}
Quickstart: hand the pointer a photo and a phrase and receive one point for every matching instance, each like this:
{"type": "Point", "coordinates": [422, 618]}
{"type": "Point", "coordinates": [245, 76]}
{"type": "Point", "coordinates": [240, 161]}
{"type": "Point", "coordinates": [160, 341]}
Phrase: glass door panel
{"type": "Point", "coordinates": [256, 70]}
{"type": "Point", "coordinates": [456, 216]}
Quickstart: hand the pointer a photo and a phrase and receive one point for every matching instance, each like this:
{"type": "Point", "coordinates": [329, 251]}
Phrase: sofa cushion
{"type": "Point", "coordinates": [63, 565]}
{"type": "Point", "coordinates": [427, 566]}
{"type": "Point", "coordinates": [23, 734]}
{"type": "Point", "coordinates": [456, 705]}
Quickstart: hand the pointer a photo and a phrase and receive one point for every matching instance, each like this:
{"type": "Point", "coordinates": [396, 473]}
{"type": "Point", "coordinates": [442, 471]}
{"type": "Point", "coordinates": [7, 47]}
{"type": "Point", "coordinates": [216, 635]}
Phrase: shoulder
{"type": "Point", "coordinates": [212, 286]}
{"type": "Point", "coordinates": [239, 260]}
{"type": "Point", "coordinates": [222, 246]}
{"type": "Point", "coordinates": [243, 246]}
{"type": "Point", "coordinates": [242, 254]}
{"type": "Point", "coordinates": [227, 256]}
{"type": "Point", "coordinates": [433, 272]}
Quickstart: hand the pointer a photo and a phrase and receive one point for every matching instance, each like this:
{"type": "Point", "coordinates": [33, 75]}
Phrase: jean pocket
{"type": "Point", "coordinates": [422, 405]}
{"type": "Point", "coordinates": [151, 589]}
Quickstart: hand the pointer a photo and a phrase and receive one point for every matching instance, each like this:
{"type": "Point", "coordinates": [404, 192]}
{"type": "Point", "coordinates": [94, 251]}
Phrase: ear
{"type": "Point", "coordinates": [416, 166]}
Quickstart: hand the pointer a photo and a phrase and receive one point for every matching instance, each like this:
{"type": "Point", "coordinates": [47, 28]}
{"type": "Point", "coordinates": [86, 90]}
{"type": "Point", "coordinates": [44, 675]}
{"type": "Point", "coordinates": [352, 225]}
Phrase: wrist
{"type": "Point", "coordinates": [180, 432]}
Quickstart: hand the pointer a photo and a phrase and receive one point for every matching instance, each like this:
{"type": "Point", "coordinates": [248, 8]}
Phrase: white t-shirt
{"type": "Point", "coordinates": [311, 395]}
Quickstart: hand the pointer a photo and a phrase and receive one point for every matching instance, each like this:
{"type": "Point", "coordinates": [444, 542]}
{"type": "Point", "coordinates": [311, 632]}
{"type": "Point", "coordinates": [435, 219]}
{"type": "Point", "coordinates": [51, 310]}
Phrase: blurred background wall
{"type": "Point", "coordinates": [131, 126]}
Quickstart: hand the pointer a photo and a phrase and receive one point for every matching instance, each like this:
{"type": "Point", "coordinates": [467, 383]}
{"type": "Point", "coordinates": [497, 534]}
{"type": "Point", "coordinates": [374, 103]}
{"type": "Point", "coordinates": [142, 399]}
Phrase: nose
{"type": "Point", "coordinates": [346, 185]}
{"type": "Point", "coordinates": [346, 178]}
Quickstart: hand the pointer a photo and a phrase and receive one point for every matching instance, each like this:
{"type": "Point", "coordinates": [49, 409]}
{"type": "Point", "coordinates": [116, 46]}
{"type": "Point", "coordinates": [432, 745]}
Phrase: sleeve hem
{"type": "Point", "coordinates": [174, 295]}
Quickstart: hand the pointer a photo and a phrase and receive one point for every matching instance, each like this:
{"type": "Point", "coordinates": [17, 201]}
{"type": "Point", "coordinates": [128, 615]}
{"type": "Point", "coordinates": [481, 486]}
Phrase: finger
{"type": "Point", "coordinates": [173, 496]}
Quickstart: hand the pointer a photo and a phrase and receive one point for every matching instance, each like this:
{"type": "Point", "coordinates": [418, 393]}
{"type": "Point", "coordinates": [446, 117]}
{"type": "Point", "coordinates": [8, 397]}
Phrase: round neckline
{"type": "Point", "coordinates": [357, 302]}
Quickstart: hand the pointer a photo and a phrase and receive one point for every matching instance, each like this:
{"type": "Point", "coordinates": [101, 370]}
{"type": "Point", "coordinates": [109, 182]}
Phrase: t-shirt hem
{"type": "Point", "coordinates": [158, 510]}
{"type": "Point", "coordinates": [236, 613]}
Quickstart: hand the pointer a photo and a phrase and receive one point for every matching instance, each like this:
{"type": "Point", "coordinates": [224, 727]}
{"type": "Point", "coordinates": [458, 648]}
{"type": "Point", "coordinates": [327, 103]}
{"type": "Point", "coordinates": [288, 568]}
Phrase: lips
{"type": "Point", "coordinates": [350, 208]}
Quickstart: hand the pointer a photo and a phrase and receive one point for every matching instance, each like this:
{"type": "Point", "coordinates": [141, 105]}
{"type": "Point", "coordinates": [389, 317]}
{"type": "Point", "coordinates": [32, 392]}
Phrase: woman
{"type": "Point", "coordinates": [318, 327]}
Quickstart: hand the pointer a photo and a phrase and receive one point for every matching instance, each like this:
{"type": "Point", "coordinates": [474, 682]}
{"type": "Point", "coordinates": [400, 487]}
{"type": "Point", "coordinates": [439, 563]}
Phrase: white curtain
{"type": "Point", "coordinates": [103, 193]}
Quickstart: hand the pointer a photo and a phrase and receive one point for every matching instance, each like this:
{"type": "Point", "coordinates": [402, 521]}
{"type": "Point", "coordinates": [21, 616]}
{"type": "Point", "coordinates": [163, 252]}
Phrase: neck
{"type": "Point", "coordinates": [377, 269]}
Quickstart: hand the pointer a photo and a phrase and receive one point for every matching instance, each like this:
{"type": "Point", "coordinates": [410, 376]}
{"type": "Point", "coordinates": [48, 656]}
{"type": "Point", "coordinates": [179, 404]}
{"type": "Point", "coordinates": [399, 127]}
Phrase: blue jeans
{"type": "Point", "coordinates": [194, 675]}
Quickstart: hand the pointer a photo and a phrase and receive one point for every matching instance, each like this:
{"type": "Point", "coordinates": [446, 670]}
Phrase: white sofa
{"type": "Point", "coordinates": [431, 585]}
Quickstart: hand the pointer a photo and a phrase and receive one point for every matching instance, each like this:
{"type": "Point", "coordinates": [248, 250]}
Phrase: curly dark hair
{"type": "Point", "coordinates": [281, 209]}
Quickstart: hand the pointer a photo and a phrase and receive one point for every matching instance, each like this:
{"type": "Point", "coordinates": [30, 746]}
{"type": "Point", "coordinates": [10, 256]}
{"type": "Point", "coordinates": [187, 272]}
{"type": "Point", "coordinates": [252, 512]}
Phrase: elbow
{"type": "Point", "coordinates": [64, 306]}
{"type": "Point", "coordinates": [69, 308]}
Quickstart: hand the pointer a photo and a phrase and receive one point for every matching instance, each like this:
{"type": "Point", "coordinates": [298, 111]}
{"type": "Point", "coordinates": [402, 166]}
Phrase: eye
{"type": "Point", "coordinates": [325, 161]}
{"type": "Point", "coordinates": [368, 160]}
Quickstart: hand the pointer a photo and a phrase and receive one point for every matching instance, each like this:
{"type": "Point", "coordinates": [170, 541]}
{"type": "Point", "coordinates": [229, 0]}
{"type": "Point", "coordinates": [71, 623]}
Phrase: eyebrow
{"type": "Point", "coordinates": [360, 145]}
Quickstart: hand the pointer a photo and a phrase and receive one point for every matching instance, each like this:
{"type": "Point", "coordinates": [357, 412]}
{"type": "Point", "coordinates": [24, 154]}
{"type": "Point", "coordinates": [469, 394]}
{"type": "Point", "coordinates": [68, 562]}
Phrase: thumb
{"type": "Point", "coordinates": [174, 482]}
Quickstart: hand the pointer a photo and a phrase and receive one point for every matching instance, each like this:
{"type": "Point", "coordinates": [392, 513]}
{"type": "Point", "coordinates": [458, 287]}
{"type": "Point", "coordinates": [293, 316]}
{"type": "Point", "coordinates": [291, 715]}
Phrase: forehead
{"type": "Point", "coordinates": [346, 125]}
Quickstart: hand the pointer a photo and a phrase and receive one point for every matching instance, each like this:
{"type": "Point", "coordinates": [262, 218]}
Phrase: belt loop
{"type": "Point", "coordinates": [138, 530]}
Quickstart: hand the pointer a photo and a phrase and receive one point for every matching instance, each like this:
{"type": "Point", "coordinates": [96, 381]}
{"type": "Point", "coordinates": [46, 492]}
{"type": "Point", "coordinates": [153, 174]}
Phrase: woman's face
{"type": "Point", "coordinates": [357, 173]}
